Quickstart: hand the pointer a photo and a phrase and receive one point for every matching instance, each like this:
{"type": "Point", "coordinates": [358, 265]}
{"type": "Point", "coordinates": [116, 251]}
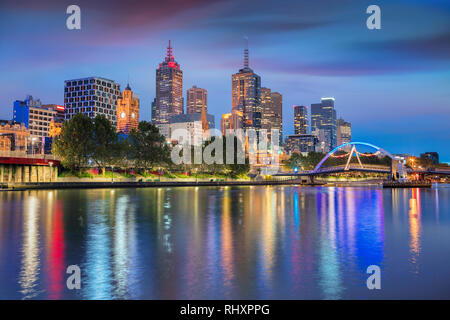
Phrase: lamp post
{"type": "Point", "coordinates": [32, 145]}
{"type": "Point", "coordinates": [51, 171]}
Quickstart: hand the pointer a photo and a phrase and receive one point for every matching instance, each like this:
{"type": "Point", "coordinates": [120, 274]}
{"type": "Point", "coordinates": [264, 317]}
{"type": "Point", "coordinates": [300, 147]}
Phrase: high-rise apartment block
{"type": "Point", "coordinates": [91, 96]}
{"type": "Point", "coordinates": [323, 117]}
{"type": "Point", "coordinates": [343, 131]}
{"type": "Point", "coordinates": [301, 123]}
{"type": "Point", "coordinates": [197, 99]}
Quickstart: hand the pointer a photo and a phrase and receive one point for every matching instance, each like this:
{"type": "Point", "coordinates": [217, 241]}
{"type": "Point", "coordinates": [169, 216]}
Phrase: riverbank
{"type": "Point", "coordinates": [144, 184]}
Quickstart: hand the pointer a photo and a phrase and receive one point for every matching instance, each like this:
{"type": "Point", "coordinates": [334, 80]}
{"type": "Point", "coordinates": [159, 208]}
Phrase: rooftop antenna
{"type": "Point", "coordinates": [246, 52]}
{"type": "Point", "coordinates": [169, 55]}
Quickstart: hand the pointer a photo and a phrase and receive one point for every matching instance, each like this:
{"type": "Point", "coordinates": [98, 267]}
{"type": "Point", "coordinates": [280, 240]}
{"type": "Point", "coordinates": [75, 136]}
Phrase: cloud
{"type": "Point", "coordinates": [435, 46]}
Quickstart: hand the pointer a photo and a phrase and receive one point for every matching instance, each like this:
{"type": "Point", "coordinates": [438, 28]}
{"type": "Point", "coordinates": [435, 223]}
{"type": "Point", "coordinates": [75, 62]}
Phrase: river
{"type": "Point", "coordinates": [248, 242]}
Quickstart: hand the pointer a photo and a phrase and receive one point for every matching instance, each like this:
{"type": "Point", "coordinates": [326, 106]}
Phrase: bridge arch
{"type": "Point", "coordinates": [352, 144]}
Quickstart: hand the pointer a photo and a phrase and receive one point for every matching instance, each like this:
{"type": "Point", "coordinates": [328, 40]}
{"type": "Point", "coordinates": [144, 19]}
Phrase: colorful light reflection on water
{"type": "Point", "coordinates": [274, 242]}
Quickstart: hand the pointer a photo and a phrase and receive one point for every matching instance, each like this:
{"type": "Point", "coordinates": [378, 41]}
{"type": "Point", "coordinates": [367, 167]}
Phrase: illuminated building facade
{"type": "Point", "coordinates": [127, 111]}
{"type": "Point", "coordinates": [91, 96]}
{"type": "Point", "coordinates": [225, 123]}
{"type": "Point", "coordinates": [272, 112]}
{"type": "Point", "coordinates": [195, 124]}
{"type": "Point", "coordinates": [343, 131]}
{"type": "Point", "coordinates": [37, 117]}
{"type": "Point", "coordinates": [301, 123]}
{"type": "Point", "coordinates": [197, 99]}
{"type": "Point", "coordinates": [300, 143]}
{"type": "Point", "coordinates": [323, 117]}
{"type": "Point", "coordinates": [169, 89]}
{"type": "Point", "coordinates": [246, 95]}
{"type": "Point", "coordinates": [231, 121]}
{"type": "Point", "coordinates": [13, 136]}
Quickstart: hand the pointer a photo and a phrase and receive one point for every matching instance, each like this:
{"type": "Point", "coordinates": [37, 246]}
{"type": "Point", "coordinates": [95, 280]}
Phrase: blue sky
{"type": "Point", "coordinates": [391, 84]}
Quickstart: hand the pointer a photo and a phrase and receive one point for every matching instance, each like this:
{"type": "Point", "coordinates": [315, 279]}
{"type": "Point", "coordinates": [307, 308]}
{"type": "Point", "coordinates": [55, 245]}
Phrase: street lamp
{"type": "Point", "coordinates": [32, 145]}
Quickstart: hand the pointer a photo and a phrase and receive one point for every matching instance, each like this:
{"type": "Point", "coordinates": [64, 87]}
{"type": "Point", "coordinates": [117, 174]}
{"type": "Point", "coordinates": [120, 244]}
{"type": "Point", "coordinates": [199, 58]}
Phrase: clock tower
{"type": "Point", "coordinates": [127, 111]}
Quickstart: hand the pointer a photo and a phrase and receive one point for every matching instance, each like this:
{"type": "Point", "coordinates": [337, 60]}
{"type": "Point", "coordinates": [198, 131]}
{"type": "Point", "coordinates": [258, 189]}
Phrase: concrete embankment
{"type": "Point", "coordinates": [139, 184]}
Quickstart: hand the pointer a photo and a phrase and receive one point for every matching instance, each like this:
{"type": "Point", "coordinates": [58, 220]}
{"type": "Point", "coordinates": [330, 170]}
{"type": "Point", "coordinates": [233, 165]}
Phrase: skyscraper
{"type": "Point", "coordinates": [127, 111]}
{"type": "Point", "coordinates": [271, 118]}
{"type": "Point", "coordinates": [323, 117]}
{"type": "Point", "coordinates": [277, 120]}
{"type": "Point", "coordinates": [301, 123]}
{"type": "Point", "coordinates": [246, 95]}
{"type": "Point", "coordinates": [169, 89]}
{"type": "Point", "coordinates": [91, 96]}
{"type": "Point", "coordinates": [267, 108]}
{"type": "Point", "coordinates": [197, 98]}
{"type": "Point", "coordinates": [343, 131]}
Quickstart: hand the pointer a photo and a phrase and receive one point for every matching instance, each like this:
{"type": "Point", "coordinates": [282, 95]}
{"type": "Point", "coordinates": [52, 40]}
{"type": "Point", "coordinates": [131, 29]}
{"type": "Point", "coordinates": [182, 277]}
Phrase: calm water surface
{"type": "Point", "coordinates": [279, 242]}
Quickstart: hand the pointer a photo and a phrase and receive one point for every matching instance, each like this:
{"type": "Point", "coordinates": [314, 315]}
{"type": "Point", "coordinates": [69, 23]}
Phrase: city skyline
{"type": "Point", "coordinates": [370, 88]}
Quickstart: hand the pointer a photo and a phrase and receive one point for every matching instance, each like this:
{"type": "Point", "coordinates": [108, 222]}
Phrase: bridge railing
{"type": "Point", "coordinates": [24, 155]}
{"type": "Point", "coordinates": [354, 166]}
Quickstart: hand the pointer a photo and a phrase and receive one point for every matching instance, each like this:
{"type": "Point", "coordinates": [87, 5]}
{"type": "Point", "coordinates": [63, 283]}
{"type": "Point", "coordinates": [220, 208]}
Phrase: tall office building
{"type": "Point", "coordinates": [127, 111]}
{"type": "Point", "coordinates": [154, 114]}
{"type": "Point", "coordinates": [323, 117]}
{"type": "Point", "coordinates": [271, 106]}
{"type": "Point", "coordinates": [277, 120]}
{"type": "Point", "coordinates": [343, 131]}
{"type": "Point", "coordinates": [91, 96]}
{"type": "Point", "coordinates": [169, 89]}
{"type": "Point", "coordinates": [246, 95]}
{"type": "Point", "coordinates": [301, 123]}
{"type": "Point", "coordinates": [267, 108]}
{"type": "Point", "coordinates": [197, 99]}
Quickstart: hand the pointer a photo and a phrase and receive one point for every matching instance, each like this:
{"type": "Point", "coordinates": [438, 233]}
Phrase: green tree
{"type": "Point", "coordinates": [236, 168]}
{"type": "Point", "coordinates": [294, 161]}
{"type": "Point", "coordinates": [147, 146]}
{"type": "Point", "coordinates": [75, 143]}
{"type": "Point", "coordinates": [105, 143]}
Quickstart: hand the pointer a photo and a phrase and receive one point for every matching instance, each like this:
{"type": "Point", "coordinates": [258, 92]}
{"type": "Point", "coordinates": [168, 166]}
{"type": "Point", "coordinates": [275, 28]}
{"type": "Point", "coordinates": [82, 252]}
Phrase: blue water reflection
{"type": "Point", "coordinates": [274, 242]}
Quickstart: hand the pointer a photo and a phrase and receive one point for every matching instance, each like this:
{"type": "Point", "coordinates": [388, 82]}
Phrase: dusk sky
{"type": "Point", "coordinates": [391, 84]}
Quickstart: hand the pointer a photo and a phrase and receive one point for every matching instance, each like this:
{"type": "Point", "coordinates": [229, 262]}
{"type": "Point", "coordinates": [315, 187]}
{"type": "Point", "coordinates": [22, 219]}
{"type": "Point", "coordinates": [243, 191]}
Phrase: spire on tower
{"type": "Point", "coordinates": [169, 54]}
{"type": "Point", "coordinates": [246, 53]}
{"type": "Point", "coordinates": [128, 83]}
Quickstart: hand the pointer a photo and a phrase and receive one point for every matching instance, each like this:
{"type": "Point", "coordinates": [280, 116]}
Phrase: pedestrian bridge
{"type": "Point", "coordinates": [321, 169]}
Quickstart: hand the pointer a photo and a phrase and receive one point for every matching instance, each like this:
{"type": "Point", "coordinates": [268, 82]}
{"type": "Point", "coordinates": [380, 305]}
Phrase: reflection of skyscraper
{"type": "Point", "coordinates": [301, 125]}
{"type": "Point", "coordinates": [169, 89]}
{"type": "Point", "coordinates": [246, 95]}
{"type": "Point", "coordinates": [323, 117]}
{"type": "Point", "coordinates": [197, 99]}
